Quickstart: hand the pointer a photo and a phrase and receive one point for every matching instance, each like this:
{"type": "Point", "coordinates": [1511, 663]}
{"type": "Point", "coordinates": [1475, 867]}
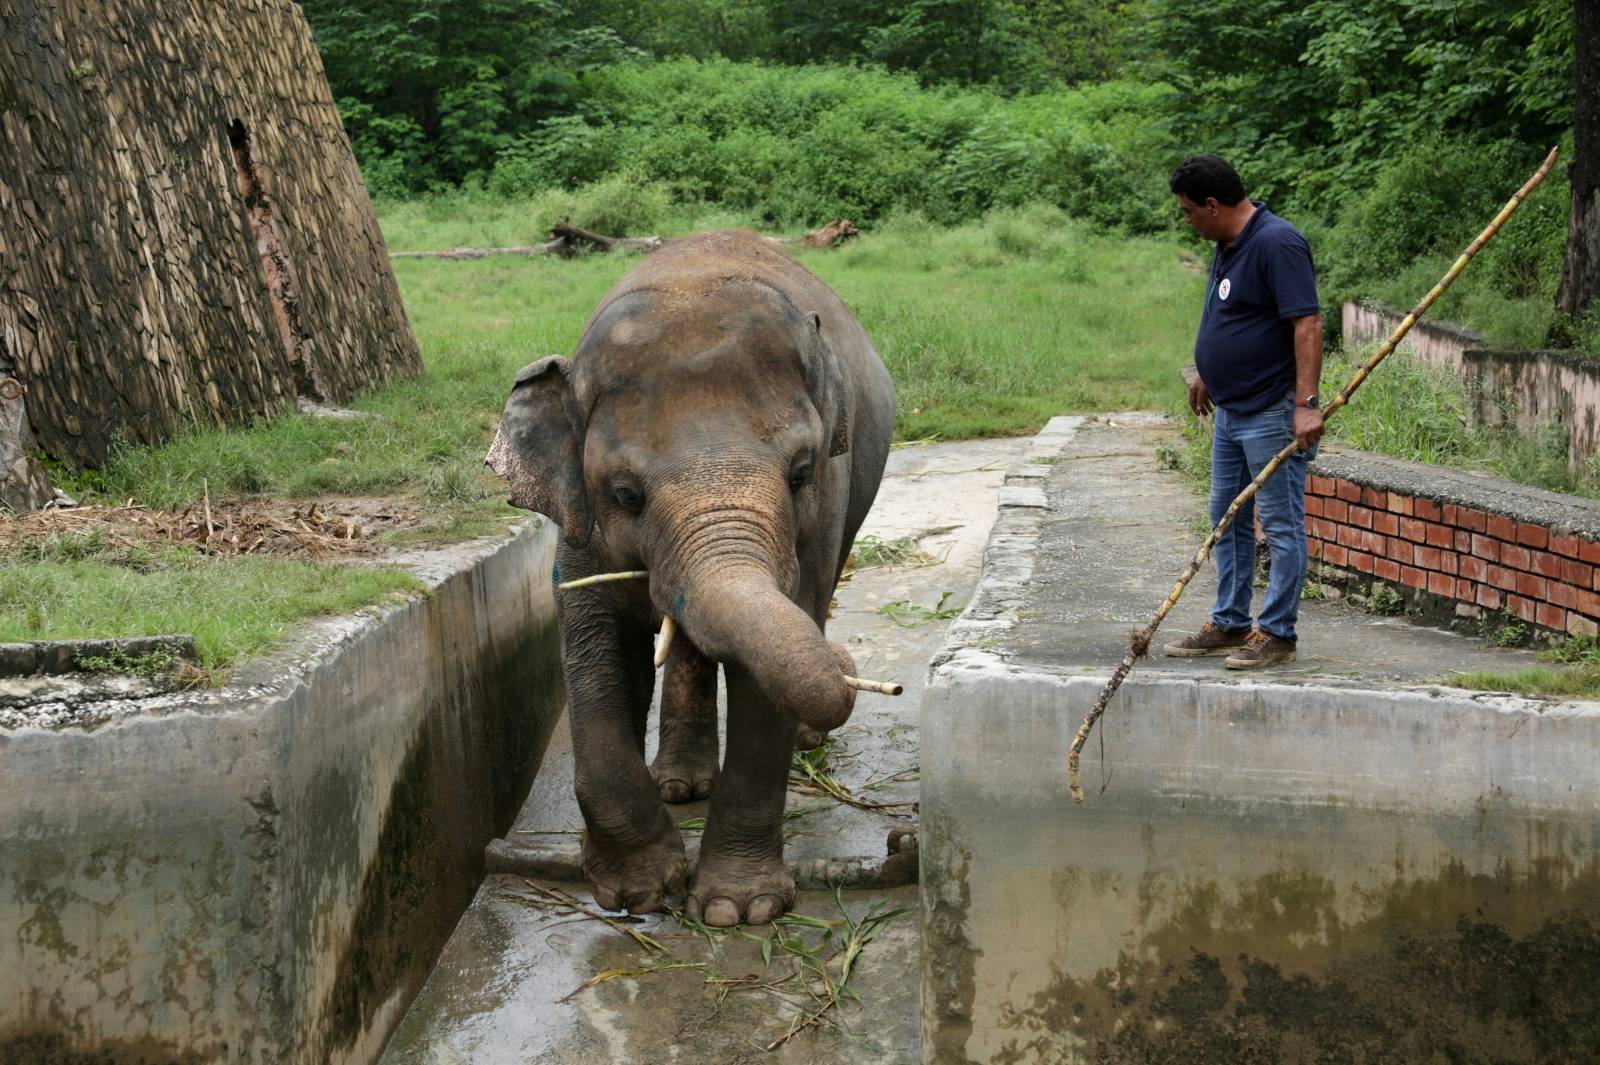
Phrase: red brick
{"type": "Point", "coordinates": [1414, 578]}
{"type": "Point", "coordinates": [1322, 486]}
{"type": "Point", "coordinates": [1350, 493]}
{"type": "Point", "coordinates": [1448, 561]}
{"type": "Point", "coordinates": [1360, 517]}
{"type": "Point", "coordinates": [1334, 555]}
{"type": "Point", "coordinates": [1588, 603]}
{"type": "Point", "coordinates": [1362, 561]}
{"type": "Point", "coordinates": [1426, 557]}
{"type": "Point", "coordinates": [1589, 551]}
{"type": "Point", "coordinates": [1488, 597]}
{"type": "Point", "coordinates": [1532, 586]}
{"type": "Point", "coordinates": [1516, 557]}
{"type": "Point", "coordinates": [1412, 529]}
{"type": "Point", "coordinates": [1504, 578]}
{"type": "Point", "coordinates": [1564, 545]}
{"type": "Point", "coordinates": [1463, 541]}
{"type": "Point", "coordinates": [1535, 536]}
{"type": "Point", "coordinates": [1441, 584]}
{"type": "Point", "coordinates": [1465, 590]}
{"type": "Point", "coordinates": [1451, 513]}
{"type": "Point", "coordinates": [1386, 523]}
{"type": "Point", "coordinates": [1578, 573]}
{"type": "Point", "coordinates": [1371, 497]}
{"type": "Point", "coordinates": [1561, 594]}
{"type": "Point", "coordinates": [1484, 547]}
{"type": "Point", "coordinates": [1402, 551]}
{"type": "Point", "coordinates": [1335, 509]}
{"type": "Point", "coordinates": [1350, 536]}
{"type": "Point", "coordinates": [1502, 527]}
{"type": "Point", "coordinates": [1545, 564]}
{"type": "Point", "coordinates": [1426, 509]}
{"type": "Point", "coordinates": [1581, 626]}
{"type": "Point", "coordinates": [1374, 542]}
{"type": "Point", "coordinates": [1387, 569]}
{"type": "Point", "coordinates": [1519, 606]}
{"type": "Point", "coordinates": [1474, 568]}
{"type": "Point", "coordinates": [1399, 504]}
{"type": "Point", "coordinates": [1313, 505]}
{"type": "Point", "coordinates": [1551, 617]}
{"type": "Point", "coordinates": [1472, 520]}
{"type": "Point", "coordinates": [1439, 536]}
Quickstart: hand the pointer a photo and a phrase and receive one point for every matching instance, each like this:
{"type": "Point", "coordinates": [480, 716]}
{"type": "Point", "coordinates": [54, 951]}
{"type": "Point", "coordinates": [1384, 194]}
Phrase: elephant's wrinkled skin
{"type": "Point", "coordinates": [723, 424]}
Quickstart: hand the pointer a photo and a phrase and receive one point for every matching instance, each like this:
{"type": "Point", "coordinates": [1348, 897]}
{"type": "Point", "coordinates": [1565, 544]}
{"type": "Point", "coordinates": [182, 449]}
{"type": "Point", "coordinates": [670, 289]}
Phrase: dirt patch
{"type": "Point", "coordinates": [323, 529]}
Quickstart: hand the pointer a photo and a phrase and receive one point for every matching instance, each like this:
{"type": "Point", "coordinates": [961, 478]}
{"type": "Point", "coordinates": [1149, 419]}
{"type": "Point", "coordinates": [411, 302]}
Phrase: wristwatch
{"type": "Point", "coordinates": [1314, 400]}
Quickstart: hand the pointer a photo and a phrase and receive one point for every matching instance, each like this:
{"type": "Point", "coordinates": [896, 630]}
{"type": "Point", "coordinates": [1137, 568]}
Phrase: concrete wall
{"type": "Point", "coordinates": [1438, 344]}
{"type": "Point", "coordinates": [1534, 391]}
{"type": "Point", "coordinates": [264, 873]}
{"type": "Point", "coordinates": [1273, 873]}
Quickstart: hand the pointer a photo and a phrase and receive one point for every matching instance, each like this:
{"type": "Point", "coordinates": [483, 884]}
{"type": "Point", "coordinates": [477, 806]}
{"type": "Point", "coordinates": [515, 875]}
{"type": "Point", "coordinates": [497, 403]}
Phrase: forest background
{"type": "Point", "coordinates": [1388, 130]}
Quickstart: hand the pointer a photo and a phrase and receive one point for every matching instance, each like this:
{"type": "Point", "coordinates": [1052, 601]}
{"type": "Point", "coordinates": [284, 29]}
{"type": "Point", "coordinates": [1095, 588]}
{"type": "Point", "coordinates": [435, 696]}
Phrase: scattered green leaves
{"type": "Point", "coordinates": [909, 615]}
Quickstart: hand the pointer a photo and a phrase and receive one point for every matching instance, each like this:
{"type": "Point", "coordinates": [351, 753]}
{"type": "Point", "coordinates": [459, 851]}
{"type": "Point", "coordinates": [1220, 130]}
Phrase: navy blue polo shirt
{"type": "Point", "coordinates": [1244, 350]}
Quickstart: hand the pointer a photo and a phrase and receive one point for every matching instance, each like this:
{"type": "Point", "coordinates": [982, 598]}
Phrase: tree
{"type": "Point", "coordinates": [1580, 272]}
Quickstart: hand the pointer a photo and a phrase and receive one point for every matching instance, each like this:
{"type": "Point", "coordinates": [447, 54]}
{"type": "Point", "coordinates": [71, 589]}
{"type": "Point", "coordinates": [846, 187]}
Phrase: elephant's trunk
{"type": "Point", "coordinates": [744, 617]}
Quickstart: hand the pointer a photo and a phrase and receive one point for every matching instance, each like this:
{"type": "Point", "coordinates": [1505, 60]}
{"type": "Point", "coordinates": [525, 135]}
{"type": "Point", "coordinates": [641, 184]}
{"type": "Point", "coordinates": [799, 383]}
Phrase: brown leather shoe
{"type": "Point", "coordinates": [1261, 649]}
{"type": "Point", "coordinates": [1212, 639]}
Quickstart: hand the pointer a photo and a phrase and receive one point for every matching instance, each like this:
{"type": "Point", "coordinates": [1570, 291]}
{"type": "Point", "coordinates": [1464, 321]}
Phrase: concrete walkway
{"type": "Point", "coordinates": [495, 996]}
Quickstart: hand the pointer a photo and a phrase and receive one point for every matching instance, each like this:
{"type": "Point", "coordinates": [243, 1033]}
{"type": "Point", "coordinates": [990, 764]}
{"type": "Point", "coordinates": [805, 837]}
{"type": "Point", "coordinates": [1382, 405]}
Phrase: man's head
{"type": "Point", "coordinates": [1212, 196]}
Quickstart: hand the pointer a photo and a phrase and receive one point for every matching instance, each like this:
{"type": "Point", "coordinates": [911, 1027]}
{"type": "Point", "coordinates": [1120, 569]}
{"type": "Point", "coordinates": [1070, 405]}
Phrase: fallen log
{"type": "Point", "coordinates": [570, 241]}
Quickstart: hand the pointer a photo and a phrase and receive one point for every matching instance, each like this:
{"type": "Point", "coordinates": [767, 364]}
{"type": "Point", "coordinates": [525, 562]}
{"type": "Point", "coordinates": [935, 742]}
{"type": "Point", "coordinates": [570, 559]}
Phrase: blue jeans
{"type": "Point", "coordinates": [1241, 446]}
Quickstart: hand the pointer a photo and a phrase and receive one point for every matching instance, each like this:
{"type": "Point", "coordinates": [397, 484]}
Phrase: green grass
{"type": "Point", "coordinates": [234, 609]}
{"type": "Point", "coordinates": [1573, 671]}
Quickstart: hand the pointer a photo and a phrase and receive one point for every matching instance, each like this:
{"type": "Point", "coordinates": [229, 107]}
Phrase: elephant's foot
{"type": "Point", "coordinates": [639, 878]}
{"type": "Point", "coordinates": [809, 738]}
{"type": "Point", "coordinates": [730, 891]}
{"type": "Point", "coordinates": [686, 763]}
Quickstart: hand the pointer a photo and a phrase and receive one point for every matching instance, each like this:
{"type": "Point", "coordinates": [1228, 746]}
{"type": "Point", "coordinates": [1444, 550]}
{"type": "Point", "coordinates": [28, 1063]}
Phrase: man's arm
{"type": "Point", "coordinates": [1307, 374]}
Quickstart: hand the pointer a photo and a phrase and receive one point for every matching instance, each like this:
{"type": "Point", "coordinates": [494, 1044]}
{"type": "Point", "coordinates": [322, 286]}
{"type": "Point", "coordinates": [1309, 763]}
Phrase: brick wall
{"type": "Point", "coordinates": [1480, 558]}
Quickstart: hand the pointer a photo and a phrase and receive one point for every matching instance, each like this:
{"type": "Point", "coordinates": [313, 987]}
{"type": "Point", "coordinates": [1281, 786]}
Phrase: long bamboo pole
{"type": "Point", "coordinates": [1139, 643]}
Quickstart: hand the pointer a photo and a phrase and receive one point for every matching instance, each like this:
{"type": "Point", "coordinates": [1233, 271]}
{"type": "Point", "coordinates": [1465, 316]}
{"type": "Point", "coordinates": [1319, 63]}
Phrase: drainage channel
{"type": "Point", "coordinates": [527, 977]}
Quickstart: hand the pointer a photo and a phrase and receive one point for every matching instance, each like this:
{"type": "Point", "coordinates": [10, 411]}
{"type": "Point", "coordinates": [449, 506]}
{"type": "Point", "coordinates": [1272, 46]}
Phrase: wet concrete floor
{"type": "Point", "coordinates": [503, 990]}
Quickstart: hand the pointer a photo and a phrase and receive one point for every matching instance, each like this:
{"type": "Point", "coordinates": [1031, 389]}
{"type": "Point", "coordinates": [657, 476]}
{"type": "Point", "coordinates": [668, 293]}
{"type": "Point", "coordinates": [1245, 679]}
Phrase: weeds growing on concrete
{"type": "Point", "coordinates": [909, 615]}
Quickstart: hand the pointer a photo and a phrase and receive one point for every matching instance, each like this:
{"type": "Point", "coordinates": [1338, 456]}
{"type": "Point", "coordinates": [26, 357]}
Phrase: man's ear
{"type": "Point", "coordinates": [539, 450]}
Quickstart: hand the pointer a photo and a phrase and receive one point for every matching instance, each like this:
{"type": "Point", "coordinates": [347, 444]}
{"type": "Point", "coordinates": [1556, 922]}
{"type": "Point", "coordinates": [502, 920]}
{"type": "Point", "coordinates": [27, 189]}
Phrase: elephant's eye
{"type": "Point", "coordinates": [800, 477]}
{"type": "Point", "coordinates": [628, 497]}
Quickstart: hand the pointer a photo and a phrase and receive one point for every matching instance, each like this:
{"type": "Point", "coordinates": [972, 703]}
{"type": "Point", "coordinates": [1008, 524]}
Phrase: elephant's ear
{"type": "Point", "coordinates": [538, 449]}
{"type": "Point", "coordinates": [828, 392]}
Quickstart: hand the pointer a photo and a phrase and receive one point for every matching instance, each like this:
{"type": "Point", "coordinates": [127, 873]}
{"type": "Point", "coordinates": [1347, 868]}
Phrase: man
{"type": "Point", "coordinates": [1259, 356]}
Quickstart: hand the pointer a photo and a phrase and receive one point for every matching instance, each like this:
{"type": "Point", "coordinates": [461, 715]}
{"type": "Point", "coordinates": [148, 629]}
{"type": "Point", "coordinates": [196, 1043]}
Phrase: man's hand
{"type": "Point", "coordinates": [1307, 425]}
{"type": "Point", "coordinates": [1200, 399]}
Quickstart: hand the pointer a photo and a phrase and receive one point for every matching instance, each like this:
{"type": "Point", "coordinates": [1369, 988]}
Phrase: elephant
{"type": "Point", "coordinates": [723, 424]}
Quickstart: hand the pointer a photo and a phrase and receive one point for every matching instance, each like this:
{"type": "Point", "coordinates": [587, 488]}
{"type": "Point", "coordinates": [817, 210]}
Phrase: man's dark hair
{"type": "Point", "coordinates": [1202, 177]}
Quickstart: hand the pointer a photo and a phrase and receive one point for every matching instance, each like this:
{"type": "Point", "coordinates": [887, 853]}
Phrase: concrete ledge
{"type": "Point", "coordinates": [1264, 870]}
{"type": "Point", "coordinates": [265, 872]}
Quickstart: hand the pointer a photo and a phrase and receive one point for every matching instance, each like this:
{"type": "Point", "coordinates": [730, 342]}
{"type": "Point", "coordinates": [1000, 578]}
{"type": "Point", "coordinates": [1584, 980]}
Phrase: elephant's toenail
{"type": "Point", "coordinates": [674, 791]}
{"type": "Point", "coordinates": [721, 913]}
{"type": "Point", "coordinates": [702, 789]}
{"type": "Point", "coordinates": [763, 908]}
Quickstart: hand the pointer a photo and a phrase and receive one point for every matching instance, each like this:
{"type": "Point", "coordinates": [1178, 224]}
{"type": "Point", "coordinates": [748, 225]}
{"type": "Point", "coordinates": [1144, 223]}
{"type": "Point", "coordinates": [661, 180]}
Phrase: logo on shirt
{"type": "Point", "coordinates": [1224, 288]}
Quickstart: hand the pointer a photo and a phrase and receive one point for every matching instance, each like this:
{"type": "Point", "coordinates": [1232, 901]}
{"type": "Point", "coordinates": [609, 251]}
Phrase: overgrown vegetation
{"type": "Point", "coordinates": [1389, 131]}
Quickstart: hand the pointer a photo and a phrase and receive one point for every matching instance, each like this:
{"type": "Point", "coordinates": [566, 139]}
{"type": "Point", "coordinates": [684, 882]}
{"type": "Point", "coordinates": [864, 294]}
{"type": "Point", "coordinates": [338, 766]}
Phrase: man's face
{"type": "Point", "coordinates": [1202, 216]}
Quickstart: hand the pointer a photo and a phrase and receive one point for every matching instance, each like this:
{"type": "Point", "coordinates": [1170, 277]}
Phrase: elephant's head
{"type": "Point", "coordinates": [691, 438]}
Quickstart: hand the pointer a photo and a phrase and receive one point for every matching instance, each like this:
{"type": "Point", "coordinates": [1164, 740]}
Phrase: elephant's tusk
{"type": "Point", "coordinates": [603, 578]}
{"type": "Point", "coordinates": [669, 629]}
{"type": "Point", "coordinates": [882, 687]}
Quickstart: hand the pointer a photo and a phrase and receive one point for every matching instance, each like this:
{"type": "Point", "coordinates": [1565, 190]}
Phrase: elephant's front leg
{"type": "Point", "coordinates": [741, 875]}
{"type": "Point", "coordinates": [633, 856]}
{"type": "Point", "coordinates": [686, 760]}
